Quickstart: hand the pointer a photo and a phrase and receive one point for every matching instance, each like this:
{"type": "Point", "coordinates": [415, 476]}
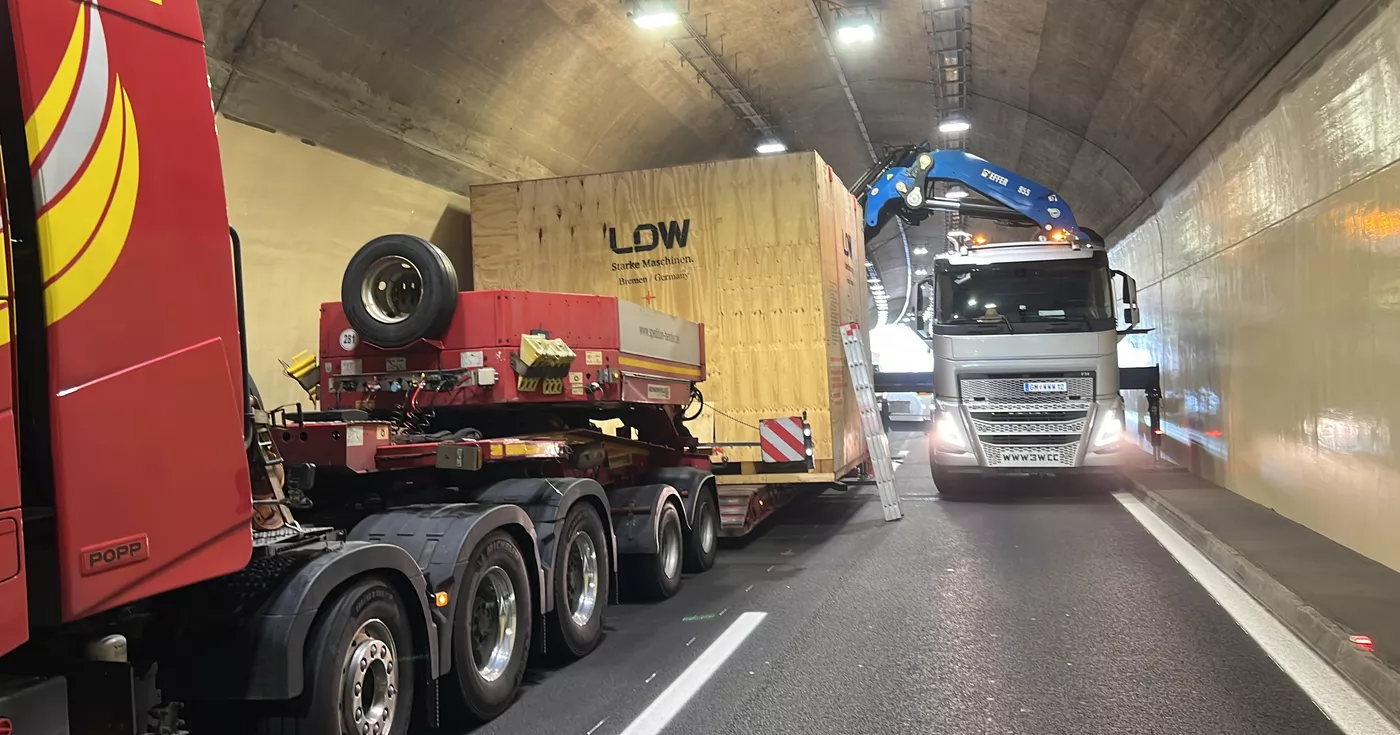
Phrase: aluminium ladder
{"type": "Point", "coordinates": [876, 443]}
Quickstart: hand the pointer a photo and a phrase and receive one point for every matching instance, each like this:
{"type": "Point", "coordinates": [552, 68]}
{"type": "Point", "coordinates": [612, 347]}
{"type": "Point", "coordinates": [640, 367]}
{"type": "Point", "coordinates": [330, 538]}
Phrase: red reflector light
{"type": "Point", "coordinates": [1364, 642]}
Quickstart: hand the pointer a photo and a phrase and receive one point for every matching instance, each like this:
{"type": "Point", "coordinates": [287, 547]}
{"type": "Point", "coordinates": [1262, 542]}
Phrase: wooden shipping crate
{"type": "Point", "coordinates": [768, 253]}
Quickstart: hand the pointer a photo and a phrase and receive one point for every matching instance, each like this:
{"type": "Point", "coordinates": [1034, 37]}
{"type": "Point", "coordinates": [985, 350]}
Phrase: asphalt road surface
{"type": "Point", "coordinates": [1043, 611]}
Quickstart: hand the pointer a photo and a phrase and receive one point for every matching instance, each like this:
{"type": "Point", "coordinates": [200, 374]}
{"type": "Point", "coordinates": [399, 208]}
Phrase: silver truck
{"type": "Point", "coordinates": [1024, 338]}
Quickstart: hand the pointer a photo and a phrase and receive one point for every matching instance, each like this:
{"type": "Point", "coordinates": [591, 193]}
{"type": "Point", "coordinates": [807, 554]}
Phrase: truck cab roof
{"type": "Point", "coordinates": [996, 254]}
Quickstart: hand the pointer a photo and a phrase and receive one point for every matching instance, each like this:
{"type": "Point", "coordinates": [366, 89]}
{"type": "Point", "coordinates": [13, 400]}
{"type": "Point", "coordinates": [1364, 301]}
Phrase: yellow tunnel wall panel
{"type": "Point", "coordinates": [1269, 269]}
{"type": "Point", "coordinates": [301, 213]}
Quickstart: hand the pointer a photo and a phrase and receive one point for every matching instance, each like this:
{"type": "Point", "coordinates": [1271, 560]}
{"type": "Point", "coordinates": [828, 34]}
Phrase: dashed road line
{"type": "Point", "coordinates": [670, 702]}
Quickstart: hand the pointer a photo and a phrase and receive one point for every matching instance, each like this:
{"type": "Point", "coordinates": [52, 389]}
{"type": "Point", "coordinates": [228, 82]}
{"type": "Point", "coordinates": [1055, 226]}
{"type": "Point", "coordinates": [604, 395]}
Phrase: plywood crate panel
{"type": "Point", "coordinates": [768, 253]}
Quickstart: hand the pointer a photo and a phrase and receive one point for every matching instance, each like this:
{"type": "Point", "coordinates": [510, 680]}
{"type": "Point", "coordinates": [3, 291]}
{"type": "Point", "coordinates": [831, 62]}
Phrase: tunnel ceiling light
{"type": "Point", "coordinates": [653, 14]}
{"type": "Point", "coordinates": [771, 146]}
{"type": "Point", "coordinates": [921, 250]}
{"type": "Point", "coordinates": [854, 24]}
{"type": "Point", "coordinates": [954, 126]}
{"type": "Point", "coordinates": [864, 32]}
{"type": "Point", "coordinates": [920, 271]}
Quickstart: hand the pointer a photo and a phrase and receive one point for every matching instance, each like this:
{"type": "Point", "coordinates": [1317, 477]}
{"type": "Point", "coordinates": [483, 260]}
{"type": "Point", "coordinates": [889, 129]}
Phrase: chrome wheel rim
{"type": "Point", "coordinates": [707, 530]}
{"type": "Point", "coordinates": [670, 550]}
{"type": "Point", "coordinates": [493, 624]}
{"type": "Point", "coordinates": [392, 289]}
{"type": "Point", "coordinates": [371, 680]}
{"type": "Point", "coordinates": [581, 578]}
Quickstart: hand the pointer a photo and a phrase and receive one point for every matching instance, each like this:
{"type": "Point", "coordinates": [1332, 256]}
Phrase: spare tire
{"type": "Point", "coordinates": [399, 289]}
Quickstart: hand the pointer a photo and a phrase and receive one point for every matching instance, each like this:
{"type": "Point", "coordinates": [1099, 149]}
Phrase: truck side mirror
{"type": "Point", "coordinates": [922, 303]}
{"type": "Point", "coordinates": [1129, 288]}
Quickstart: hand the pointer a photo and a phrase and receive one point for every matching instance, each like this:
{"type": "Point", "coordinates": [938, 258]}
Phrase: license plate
{"type": "Point", "coordinates": [1031, 458]}
{"type": "Point", "coordinates": [1047, 386]}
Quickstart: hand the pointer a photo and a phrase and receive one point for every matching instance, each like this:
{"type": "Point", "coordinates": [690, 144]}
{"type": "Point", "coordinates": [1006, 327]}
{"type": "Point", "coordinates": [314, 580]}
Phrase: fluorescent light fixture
{"type": "Point", "coordinates": [956, 192]}
{"type": "Point", "coordinates": [653, 13]}
{"type": "Point", "coordinates": [920, 271]}
{"type": "Point", "coordinates": [921, 250]}
{"type": "Point", "coordinates": [771, 146]}
{"type": "Point", "coordinates": [954, 126]}
{"type": "Point", "coordinates": [656, 20]}
{"type": "Point", "coordinates": [856, 30]}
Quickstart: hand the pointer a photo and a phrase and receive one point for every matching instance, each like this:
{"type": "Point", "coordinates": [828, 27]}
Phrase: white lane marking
{"type": "Point", "coordinates": [667, 704]}
{"type": "Point", "coordinates": [1328, 689]}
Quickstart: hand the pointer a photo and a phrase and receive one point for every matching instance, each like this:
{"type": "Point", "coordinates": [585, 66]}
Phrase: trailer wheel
{"type": "Point", "coordinates": [491, 633]}
{"type": "Point", "coordinates": [580, 582]}
{"type": "Point", "coordinates": [398, 289]}
{"type": "Point", "coordinates": [359, 670]}
{"type": "Point", "coordinates": [702, 543]}
{"type": "Point", "coordinates": [658, 576]}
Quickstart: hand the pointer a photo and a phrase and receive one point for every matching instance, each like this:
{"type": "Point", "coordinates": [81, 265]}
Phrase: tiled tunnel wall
{"type": "Point", "coordinates": [1269, 268]}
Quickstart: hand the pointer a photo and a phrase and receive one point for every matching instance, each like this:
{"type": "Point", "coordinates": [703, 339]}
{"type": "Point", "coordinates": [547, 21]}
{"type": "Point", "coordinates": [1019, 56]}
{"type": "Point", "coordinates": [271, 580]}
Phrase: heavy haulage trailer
{"type": "Point", "coordinates": [172, 549]}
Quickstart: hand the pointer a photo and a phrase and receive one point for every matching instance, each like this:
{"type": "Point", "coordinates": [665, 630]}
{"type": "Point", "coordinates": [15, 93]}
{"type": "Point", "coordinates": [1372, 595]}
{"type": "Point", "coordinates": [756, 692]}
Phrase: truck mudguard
{"type": "Point", "coordinates": [689, 481]}
{"type": "Point", "coordinates": [441, 538]}
{"type": "Point", "coordinates": [636, 513]}
{"type": "Point", "coordinates": [283, 625]}
{"type": "Point", "coordinates": [547, 501]}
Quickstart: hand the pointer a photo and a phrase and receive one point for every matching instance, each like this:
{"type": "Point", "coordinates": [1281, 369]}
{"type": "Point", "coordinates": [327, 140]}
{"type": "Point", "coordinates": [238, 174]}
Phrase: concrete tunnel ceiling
{"type": "Point", "coordinates": [1098, 99]}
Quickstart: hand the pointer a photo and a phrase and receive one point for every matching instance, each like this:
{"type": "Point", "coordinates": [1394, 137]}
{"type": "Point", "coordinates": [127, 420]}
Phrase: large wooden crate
{"type": "Point", "coordinates": [768, 253]}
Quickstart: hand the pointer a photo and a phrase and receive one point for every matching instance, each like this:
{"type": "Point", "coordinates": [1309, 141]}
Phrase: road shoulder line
{"type": "Point", "coordinates": [1353, 711]}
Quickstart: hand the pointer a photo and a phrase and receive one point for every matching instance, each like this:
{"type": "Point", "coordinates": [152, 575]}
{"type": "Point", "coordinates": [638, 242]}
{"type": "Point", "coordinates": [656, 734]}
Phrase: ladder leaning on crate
{"type": "Point", "coordinates": [876, 443]}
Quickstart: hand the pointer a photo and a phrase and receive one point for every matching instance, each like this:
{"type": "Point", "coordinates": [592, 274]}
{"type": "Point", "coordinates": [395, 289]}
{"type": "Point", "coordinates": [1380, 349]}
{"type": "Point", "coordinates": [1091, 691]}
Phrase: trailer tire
{"type": "Point", "coordinates": [354, 627]}
{"type": "Point", "coordinates": [702, 542]}
{"type": "Point", "coordinates": [488, 664]}
{"type": "Point", "coordinates": [658, 576]}
{"type": "Point", "coordinates": [580, 582]}
{"type": "Point", "coordinates": [414, 268]}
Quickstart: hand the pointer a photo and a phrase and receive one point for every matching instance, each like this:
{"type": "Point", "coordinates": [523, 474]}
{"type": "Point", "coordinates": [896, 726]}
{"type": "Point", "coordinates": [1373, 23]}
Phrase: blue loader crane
{"type": "Point", "coordinates": [900, 183]}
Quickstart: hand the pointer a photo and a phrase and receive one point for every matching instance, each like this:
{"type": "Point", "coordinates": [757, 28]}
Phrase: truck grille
{"type": "Point", "coordinates": [1017, 428]}
{"type": "Point", "coordinates": [1002, 389]}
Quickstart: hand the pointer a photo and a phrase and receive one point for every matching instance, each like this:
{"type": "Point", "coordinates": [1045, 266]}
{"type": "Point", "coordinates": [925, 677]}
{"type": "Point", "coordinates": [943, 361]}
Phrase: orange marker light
{"type": "Point", "coordinates": [440, 599]}
{"type": "Point", "coordinates": [1058, 236]}
{"type": "Point", "coordinates": [1364, 642]}
{"type": "Point", "coordinates": [979, 240]}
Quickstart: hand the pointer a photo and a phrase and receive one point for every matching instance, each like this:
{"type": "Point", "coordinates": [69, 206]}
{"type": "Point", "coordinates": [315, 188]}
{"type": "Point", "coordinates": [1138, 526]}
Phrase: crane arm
{"type": "Point", "coordinates": [898, 184]}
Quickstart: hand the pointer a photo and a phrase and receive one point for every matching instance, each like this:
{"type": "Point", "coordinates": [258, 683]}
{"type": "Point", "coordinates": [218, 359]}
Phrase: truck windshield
{"type": "Point", "coordinates": [1056, 295]}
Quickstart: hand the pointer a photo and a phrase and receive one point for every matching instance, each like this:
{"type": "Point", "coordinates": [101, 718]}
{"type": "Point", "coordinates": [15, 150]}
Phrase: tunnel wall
{"type": "Point", "coordinates": [1270, 274]}
{"type": "Point", "coordinates": [301, 212]}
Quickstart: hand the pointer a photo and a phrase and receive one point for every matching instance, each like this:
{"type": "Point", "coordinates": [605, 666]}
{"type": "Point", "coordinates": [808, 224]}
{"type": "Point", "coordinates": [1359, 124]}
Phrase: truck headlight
{"type": "Point", "coordinates": [948, 431]}
{"type": "Point", "coordinates": [1109, 431]}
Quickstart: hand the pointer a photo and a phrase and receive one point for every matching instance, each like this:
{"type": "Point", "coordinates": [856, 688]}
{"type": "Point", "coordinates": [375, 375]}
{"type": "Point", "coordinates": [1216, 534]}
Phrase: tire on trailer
{"type": "Point", "coordinates": [359, 667]}
{"type": "Point", "coordinates": [492, 627]}
{"type": "Point", "coordinates": [658, 576]}
{"type": "Point", "coordinates": [580, 582]}
{"type": "Point", "coordinates": [398, 289]}
{"type": "Point", "coordinates": [702, 540]}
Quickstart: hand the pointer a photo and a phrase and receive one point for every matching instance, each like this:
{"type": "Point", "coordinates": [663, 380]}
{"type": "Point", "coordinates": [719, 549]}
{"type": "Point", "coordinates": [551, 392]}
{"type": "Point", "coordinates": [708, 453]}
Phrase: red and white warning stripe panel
{"type": "Point", "coordinates": [782, 440]}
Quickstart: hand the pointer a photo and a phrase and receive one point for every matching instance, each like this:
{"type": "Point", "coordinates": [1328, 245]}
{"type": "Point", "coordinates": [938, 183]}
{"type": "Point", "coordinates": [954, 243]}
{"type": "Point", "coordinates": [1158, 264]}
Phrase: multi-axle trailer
{"type": "Point", "coordinates": [451, 510]}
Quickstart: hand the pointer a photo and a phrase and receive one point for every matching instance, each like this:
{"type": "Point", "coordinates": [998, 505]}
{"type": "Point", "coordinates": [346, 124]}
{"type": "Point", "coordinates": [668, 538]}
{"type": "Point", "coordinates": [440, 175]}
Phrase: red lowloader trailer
{"type": "Point", "coordinates": [170, 548]}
